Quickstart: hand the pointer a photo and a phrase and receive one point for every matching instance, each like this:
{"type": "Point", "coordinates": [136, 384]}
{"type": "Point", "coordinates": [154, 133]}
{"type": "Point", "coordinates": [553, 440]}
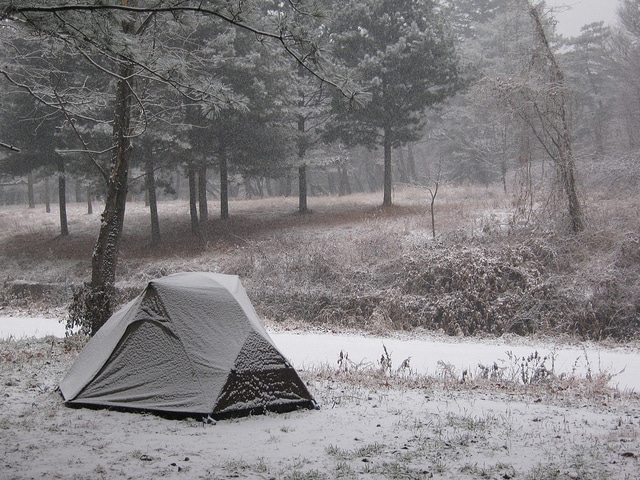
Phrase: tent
{"type": "Point", "coordinates": [190, 343]}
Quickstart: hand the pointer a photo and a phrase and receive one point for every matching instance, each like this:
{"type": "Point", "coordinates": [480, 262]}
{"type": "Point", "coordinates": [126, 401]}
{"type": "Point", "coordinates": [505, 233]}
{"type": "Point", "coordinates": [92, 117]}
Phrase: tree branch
{"type": "Point", "coordinates": [283, 37]}
{"type": "Point", "coordinates": [86, 150]}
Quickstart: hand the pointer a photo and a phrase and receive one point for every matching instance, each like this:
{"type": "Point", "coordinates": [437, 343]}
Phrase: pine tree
{"type": "Point", "coordinates": [403, 53]}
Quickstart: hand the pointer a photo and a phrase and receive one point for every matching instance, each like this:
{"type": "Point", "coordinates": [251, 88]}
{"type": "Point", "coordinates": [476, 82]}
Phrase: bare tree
{"type": "Point", "coordinates": [540, 98]}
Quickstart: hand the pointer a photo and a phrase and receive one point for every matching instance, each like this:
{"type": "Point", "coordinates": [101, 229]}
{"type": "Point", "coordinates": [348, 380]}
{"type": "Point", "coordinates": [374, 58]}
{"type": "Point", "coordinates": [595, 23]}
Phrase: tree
{"type": "Point", "coordinates": [403, 51]}
{"type": "Point", "coordinates": [122, 41]}
{"type": "Point", "coordinates": [540, 99]}
{"type": "Point", "coordinates": [589, 76]}
{"type": "Point", "coordinates": [625, 66]}
{"type": "Point", "coordinates": [35, 130]}
{"type": "Point", "coordinates": [480, 137]}
{"type": "Point", "coordinates": [311, 111]}
{"type": "Point", "coordinates": [37, 76]}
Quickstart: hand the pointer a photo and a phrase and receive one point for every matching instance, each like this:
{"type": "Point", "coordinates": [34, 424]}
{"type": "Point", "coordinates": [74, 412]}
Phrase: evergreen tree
{"type": "Point", "coordinates": [403, 53]}
{"type": "Point", "coordinates": [126, 40]}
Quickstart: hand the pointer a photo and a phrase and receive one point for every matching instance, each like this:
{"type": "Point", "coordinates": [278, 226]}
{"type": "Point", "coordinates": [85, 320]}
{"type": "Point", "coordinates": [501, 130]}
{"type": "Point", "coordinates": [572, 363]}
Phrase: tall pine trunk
{"type": "Point", "coordinates": [302, 189]}
{"type": "Point", "coordinates": [89, 202]}
{"type": "Point", "coordinates": [302, 168]}
{"type": "Point", "coordinates": [202, 193]}
{"type": "Point", "coordinates": [151, 193]}
{"type": "Point", "coordinates": [387, 168]}
{"type": "Point", "coordinates": [193, 198]}
{"type": "Point", "coordinates": [47, 195]}
{"type": "Point", "coordinates": [62, 199]}
{"type": "Point", "coordinates": [224, 185]}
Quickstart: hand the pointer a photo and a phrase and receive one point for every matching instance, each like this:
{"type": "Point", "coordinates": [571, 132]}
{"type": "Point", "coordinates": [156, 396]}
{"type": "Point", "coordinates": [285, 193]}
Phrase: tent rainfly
{"type": "Point", "coordinates": [189, 344]}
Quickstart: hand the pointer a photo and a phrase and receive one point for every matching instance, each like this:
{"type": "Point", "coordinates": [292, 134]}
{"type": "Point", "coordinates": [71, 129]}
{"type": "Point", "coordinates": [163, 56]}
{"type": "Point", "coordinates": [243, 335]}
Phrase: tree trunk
{"type": "Point", "coordinates": [152, 196]}
{"type": "Point", "coordinates": [30, 195]}
{"type": "Point", "coordinates": [286, 185]}
{"type": "Point", "coordinates": [564, 158]}
{"type": "Point", "coordinates": [193, 198]}
{"type": "Point", "coordinates": [101, 299]}
{"type": "Point", "coordinates": [202, 193]}
{"type": "Point", "coordinates": [47, 195]}
{"type": "Point", "coordinates": [387, 168]}
{"type": "Point", "coordinates": [78, 192]}
{"type": "Point", "coordinates": [302, 168]}
{"type": "Point", "coordinates": [344, 184]}
{"type": "Point", "coordinates": [89, 204]}
{"type": "Point", "coordinates": [224, 186]}
{"type": "Point", "coordinates": [302, 189]}
{"type": "Point", "coordinates": [567, 177]}
{"type": "Point", "coordinates": [62, 199]}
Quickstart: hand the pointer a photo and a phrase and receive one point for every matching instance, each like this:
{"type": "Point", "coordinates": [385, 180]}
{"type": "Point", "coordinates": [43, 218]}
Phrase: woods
{"type": "Point", "coordinates": [224, 100]}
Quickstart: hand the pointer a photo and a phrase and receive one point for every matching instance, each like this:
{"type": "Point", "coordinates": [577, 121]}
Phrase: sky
{"type": "Point", "coordinates": [572, 15]}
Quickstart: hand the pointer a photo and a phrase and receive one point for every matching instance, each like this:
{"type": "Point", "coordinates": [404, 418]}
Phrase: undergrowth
{"type": "Point", "coordinates": [352, 265]}
{"type": "Point", "coordinates": [533, 375]}
{"type": "Point", "coordinates": [493, 285]}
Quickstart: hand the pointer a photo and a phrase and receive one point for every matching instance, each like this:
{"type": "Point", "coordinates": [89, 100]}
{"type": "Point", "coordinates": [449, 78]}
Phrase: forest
{"type": "Point", "coordinates": [158, 100]}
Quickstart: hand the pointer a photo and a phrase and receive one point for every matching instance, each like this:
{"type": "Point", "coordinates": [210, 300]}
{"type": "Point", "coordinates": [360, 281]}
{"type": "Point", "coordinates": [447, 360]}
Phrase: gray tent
{"type": "Point", "coordinates": [191, 343]}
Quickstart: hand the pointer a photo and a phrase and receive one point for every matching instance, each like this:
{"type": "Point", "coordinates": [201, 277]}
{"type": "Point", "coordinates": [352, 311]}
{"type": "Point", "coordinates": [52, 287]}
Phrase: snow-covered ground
{"type": "Point", "coordinates": [365, 428]}
{"type": "Point", "coordinates": [23, 327]}
{"type": "Point", "coordinates": [427, 355]}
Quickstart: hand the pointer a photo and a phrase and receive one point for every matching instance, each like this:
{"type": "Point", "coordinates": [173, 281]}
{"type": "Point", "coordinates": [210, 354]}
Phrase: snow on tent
{"type": "Point", "coordinates": [190, 343]}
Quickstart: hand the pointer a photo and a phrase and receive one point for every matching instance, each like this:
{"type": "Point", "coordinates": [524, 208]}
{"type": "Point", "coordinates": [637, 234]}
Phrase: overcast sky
{"type": "Point", "coordinates": [582, 12]}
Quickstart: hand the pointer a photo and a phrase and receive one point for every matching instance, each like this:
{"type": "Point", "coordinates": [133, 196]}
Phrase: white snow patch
{"type": "Point", "coordinates": [25, 327]}
{"type": "Point", "coordinates": [308, 350]}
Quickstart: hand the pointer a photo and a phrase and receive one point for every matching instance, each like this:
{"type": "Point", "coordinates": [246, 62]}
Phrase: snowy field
{"type": "Point", "coordinates": [368, 426]}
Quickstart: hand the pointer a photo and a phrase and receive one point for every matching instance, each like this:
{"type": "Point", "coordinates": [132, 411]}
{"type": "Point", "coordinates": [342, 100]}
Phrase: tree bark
{"type": "Point", "coordinates": [47, 195]}
{"type": "Point", "coordinates": [62, 199]}
{"type": "Point", "coordinates": [30, 195]}
{"type": "Point", "coordinates": [193, 198]}
{"type": "Point", "coordinates": [202, 193]}
{"type": "Point", "coordinates": [302, 189]}
{"type": "Point", "coordinates": [224, 186]}
{"type": "Point", "coordinates": [386, 201]}
{"type": "Point", "coordinates": [152, 196]}
{"type": "Point", "coordinates": [89, 203]}
{"type": "Point", "coordinates": [101, 299]}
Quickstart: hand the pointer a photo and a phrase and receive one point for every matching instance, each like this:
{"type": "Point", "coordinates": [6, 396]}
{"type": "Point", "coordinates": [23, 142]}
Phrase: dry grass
{"type": "Point", "coordinates": [375, 422]}
{"type": "Point", "coordinates": [352, 264]}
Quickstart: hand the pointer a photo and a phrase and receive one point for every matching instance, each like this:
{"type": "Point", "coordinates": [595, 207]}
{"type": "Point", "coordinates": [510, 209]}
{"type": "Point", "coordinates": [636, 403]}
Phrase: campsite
{"type": "Point", "coordinates": [427, 419]}
{"type": "Point", "coordinates": [319, 239]}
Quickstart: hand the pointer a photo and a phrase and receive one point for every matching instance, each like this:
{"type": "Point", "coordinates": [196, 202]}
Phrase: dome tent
{"type": "Point", "coordinates": [190, 343]}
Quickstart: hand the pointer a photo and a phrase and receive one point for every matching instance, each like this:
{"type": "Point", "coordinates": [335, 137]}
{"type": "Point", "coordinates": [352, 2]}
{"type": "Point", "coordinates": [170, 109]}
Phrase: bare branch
{"type": "Point", "coordinates": [86, 150]}
{"type": "Point", "coordinates": [284, 36]}
{"type": "Point", "coordinates": [9, 147]}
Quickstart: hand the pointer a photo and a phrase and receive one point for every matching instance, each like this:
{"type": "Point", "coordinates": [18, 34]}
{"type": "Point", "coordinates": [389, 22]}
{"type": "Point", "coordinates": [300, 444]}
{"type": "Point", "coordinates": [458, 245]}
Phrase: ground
{"type": "Point", "coordinates": [371, 424]}
{"type": "Point", "coordinates": [345, 267]}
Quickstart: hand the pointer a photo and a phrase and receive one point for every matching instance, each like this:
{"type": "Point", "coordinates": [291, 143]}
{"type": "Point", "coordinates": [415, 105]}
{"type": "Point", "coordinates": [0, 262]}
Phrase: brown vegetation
{"type": "Point", "coordinates": [353, 264]}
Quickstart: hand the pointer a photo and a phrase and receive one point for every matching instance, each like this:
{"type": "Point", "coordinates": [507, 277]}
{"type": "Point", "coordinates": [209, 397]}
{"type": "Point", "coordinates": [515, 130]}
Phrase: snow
{"type": "Point", "coordinates": [426, 355]}
{"type": "Point", "coordinates": [21, 327]}
{"type": "Point", "coordinates": [311, 350]}
{"type": "Point", "coordinates": [364, 429]}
